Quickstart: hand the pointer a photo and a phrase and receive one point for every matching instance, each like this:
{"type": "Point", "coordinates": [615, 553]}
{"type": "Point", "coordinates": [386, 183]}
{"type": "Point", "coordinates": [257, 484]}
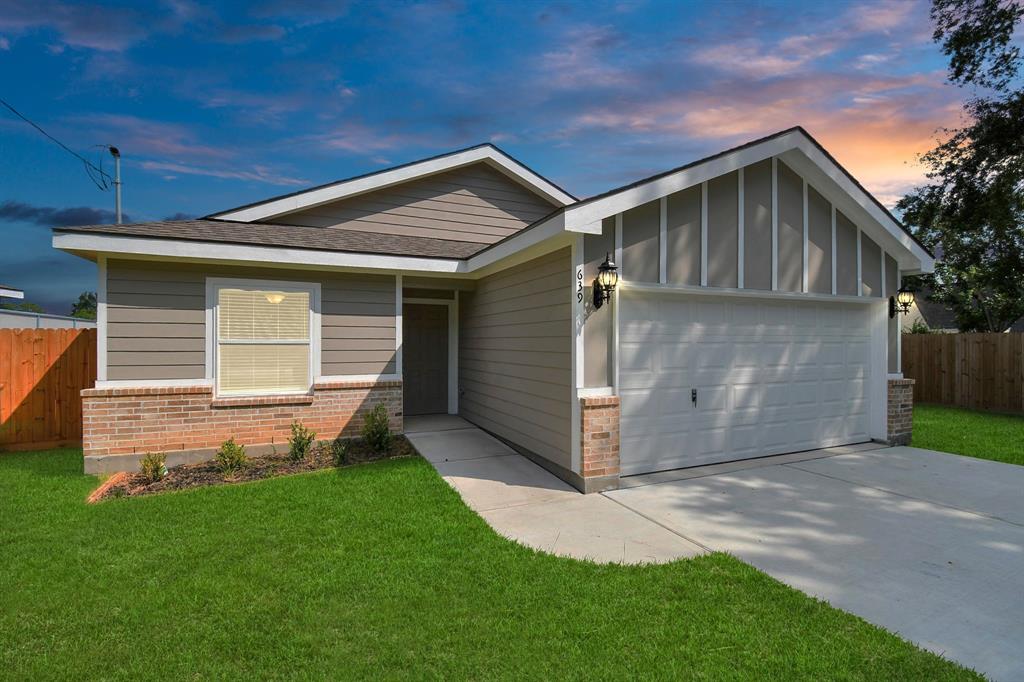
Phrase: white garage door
{"type": "Point", "coordinates": [769, 377]}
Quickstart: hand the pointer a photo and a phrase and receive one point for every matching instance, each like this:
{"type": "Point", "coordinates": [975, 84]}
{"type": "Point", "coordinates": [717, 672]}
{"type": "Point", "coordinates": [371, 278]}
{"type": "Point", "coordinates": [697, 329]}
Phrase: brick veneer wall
{"type": "Point", "coordinates": [900, 415]}
{"type": "Point", "coordinates": [600, 438]}
{"type": "Point", "coordinates": [130, 421]}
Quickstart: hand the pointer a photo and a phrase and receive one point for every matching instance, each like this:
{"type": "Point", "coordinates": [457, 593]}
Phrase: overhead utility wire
{"type": "Point", "coordinates": [104, 179]}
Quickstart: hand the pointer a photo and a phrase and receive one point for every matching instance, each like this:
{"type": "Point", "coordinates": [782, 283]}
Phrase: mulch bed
{"type": "Point", "coordinates": [205, 474]}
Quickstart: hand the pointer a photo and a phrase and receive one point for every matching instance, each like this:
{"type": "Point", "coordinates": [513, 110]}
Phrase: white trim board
{"type": "Point", "coordinates": [101, 319]}
{"type": "Point", "coordinates": [344, 189]}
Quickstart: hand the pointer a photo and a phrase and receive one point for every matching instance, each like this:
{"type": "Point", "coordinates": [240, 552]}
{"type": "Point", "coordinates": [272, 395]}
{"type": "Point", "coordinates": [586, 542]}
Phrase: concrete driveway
{"type": "Point", "coordinates": [925, 544]}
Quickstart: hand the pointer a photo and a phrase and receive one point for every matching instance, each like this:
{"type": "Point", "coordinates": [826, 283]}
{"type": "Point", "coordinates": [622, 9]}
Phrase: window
{"type": "Point", "coordinates": [264, 338]}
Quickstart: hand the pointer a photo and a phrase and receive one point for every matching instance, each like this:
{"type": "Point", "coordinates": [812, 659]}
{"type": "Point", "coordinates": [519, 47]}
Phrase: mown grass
{"type": "Point", "coordinates": [984, 435]}
{"type": "Point", "coordinates": [378, 571]}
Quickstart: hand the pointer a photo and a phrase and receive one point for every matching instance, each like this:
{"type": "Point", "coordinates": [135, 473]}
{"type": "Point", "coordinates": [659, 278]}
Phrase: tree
{"type": "Point", "coordinates": [24, 307]}
{"type": "Point", "coordinates": [972, 213]}
{"type": "Point", "coordinates": [85, 307]}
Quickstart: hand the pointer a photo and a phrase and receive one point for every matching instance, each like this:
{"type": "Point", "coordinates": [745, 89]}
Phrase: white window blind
{"type": "Point", "coordinates": [263, 341]}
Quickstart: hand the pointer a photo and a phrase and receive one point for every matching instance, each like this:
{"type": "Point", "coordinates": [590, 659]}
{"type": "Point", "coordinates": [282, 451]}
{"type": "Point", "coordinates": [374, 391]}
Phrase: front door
{"type": "Point", "coordinates": [425, 358]}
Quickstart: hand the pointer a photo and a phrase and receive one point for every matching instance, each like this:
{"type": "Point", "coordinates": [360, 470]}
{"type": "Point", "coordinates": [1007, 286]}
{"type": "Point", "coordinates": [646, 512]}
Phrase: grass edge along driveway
{"type": "Point", "coordinates": [973, 433]}
{"type": "Point", "coordinates": [378, 570]}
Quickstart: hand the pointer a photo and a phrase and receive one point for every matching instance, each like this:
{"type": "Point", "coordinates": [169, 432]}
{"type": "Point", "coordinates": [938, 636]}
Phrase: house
{"type": "Point", "coordinates": [750, 316]}
{"type": "Point", "coordinates": [937, 317]}
{"type": "Point", "coordinates": [10, 292]}
{"type": "Point", "coordinates": [24, 319]}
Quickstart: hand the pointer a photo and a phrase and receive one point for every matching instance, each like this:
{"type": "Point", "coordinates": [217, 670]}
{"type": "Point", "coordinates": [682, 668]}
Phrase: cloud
{"type": "Point", "coordinates": [257, 173]}
{"type": "Point", "coordinates": [247, 33]}
{"type": "Point", "coordinates": [583, 61]}
{"type": "Point", "coordinates": [5, 44]}
{"type": "Point", "coordinates": [20, 212]}
{"type": "Point", "coordinates": [138, 136]}
{"type": "Point", "coordinates": [87, 26]}
{"type": "Point", "coordinates": [180, 216]}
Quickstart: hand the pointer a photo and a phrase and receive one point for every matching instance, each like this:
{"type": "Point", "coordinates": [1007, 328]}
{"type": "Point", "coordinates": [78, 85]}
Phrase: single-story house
{"type": "Point", "coordinates": [937, 317]}
{"type": "Point", "coordinates": [750, 316]}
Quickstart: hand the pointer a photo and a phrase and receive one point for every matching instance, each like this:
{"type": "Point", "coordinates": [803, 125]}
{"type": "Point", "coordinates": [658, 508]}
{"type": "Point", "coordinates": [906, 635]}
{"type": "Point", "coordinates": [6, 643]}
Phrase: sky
{"type": "Point", "coordinates": [218, 105]}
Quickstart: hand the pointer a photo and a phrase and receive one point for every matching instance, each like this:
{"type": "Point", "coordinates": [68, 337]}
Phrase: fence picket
{"type": "Point", "coordinates": [42, 372]}
{"type": "Point", "coordinates": [979, 371]}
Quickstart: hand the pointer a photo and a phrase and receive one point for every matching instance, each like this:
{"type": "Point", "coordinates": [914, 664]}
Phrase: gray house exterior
{"type": "Point", "coordinates": [750, 318]}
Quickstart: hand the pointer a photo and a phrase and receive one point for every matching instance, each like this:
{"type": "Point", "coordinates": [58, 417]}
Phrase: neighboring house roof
{"type": "Point", "coordinates": [11, 292]}
{"type": "Point", "coordinates": [293, 236]}
{"type": "Point", "coordinates": [936, 315]}
{"type": "Point", "coordinates": [341, 189]}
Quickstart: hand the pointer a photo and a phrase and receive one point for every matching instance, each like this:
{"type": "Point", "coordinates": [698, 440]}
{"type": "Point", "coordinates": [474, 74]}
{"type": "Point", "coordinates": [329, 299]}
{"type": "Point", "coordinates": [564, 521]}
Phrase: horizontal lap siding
{"type": "Point", "coordinates": [475, 203]}
{"type": "Point", "coordinates": [157, 319]}
{"type": "Point", "coordinates": [515, 355]}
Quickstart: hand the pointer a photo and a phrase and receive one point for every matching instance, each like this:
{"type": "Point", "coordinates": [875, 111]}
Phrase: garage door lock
{"type": "Point", "coordinates": [693, 396]}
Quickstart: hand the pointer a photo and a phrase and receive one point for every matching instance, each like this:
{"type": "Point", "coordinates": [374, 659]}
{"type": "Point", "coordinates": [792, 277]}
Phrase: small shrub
{"type": "Point", "coordinates": [919, 327]}
{"type": "Point", "coordinates": [231, 456]}
{"type": "Point", "coordinates": [301, 442]}
{"type": "Point", "coordinates": [377, 429]}
{"type": "Point", "coordinates": [339, 450]}
{"type": "Point", "coordinates": [152, 467]}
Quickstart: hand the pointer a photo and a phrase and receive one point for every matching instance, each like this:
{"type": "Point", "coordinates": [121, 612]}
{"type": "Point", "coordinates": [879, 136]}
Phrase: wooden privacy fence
{"type": "Point", "coordinates": [979, 371]}
{"type": "Point", "coordinates": [42, 372]}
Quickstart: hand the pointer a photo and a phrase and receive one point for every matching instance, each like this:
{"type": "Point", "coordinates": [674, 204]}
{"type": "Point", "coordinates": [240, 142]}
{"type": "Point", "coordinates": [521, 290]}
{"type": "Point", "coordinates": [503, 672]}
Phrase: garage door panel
{"type": "Point", "coordinates": [771, 377]}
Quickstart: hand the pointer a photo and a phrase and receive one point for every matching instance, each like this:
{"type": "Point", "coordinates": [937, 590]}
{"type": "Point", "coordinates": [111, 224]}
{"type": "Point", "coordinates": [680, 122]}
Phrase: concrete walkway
{"type": "Point", "coordinates": [524, 502]}
{"type": "Point", "coordinates": [922, 543]}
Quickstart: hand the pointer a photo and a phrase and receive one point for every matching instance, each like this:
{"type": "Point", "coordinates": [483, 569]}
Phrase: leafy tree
{"type": "Point", "coordinates": [972, 213]}
{"type": "Point", "coordinates": [85, 307]}
{"type": "Point", "coordinates": [25, 307]}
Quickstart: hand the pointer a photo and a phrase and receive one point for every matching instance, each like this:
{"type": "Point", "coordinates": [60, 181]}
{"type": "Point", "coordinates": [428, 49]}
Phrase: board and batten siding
{"type": "Point", "coordinates": [515, 355]}
{"type": "Point", "coordinates": [474, 203]}
{"type": "Point", "coordinates": [803, 217]}
{"type": "Point", "coordinates": [156, 319]}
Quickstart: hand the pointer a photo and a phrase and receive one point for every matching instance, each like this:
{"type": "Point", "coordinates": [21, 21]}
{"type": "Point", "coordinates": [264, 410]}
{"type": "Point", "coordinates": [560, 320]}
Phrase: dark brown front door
{"type": "Point", "coordinates": [425, 358]}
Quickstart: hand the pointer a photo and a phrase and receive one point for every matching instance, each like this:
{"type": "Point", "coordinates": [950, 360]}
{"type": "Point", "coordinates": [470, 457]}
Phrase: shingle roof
{"type": "Point", "coordinates": [292, 236]}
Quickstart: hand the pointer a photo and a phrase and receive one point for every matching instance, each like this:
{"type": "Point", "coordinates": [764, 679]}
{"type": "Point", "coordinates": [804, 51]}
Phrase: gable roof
{"type": "Point", "coordinates": [795, 146]}
{"type": "Point", "coordinates": [798, 149]}
{"type": "Point", "coordinates": [341, 189]}
{"type": "Point", "coordinates": [292, 236]}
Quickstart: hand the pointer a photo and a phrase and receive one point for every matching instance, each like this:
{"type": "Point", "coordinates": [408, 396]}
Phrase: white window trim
{"type": "Point", "coordinates": [214, 284]}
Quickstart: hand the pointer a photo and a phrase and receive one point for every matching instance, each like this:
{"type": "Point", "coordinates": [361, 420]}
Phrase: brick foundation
{"type": "Point", "coordinates": [900, 415]}
{"type": "Point", "coordinates": [599, 446]}
{"type": "Point", "coordinates": [121, 424]}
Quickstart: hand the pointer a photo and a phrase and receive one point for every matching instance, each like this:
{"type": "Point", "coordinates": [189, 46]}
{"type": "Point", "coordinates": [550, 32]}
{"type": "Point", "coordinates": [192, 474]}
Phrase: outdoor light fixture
{"type": "Point", "coordinates": [274, 298]}
{"type": "Point", "coordinates": [901, 302]}
{"type": "Point", "coordinates": [607, 278]}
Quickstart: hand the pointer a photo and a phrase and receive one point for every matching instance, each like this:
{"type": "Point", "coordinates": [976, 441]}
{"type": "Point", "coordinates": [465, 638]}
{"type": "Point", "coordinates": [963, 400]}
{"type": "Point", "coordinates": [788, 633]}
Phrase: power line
{"type": "Point", "coordinates": [90, 168]}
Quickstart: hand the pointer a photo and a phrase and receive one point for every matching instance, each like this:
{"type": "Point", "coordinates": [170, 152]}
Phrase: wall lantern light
{"type": "Point", "coordinates": [901, 302]}
{"type": "Point", "coordinates": [274, 297]}
{"type": "Point", "coordinates": [607, 278]}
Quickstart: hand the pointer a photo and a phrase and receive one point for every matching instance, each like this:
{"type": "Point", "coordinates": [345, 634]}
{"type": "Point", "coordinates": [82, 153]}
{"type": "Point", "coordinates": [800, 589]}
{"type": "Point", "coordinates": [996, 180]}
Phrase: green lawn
{"type": "Point", "coordinates": [984, 435]}
{"type": "Point", "coordinates": [377, 571]}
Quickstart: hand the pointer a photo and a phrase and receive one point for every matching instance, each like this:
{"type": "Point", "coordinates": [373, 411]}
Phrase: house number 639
{"type": "Point", "coordinates": [579, 285]}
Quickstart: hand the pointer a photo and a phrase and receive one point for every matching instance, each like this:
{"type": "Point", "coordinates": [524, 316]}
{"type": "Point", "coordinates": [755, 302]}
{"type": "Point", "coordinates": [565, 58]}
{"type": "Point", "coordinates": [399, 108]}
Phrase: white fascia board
{"type": "Point", "coordinates": [586, 214]}
{"type": "Point", "coordinates": [830, 180]}
{"type": "Point", "coordinates": [250, 254]}
{"type": "Point", "coordinates": [521, 241]}
{"type": "Point", "coordinates": [388, 178]}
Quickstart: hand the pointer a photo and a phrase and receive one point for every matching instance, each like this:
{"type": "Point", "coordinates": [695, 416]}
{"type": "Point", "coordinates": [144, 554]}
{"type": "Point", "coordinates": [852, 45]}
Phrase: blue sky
{"type": "Point", "coordinates": [218, 105]}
